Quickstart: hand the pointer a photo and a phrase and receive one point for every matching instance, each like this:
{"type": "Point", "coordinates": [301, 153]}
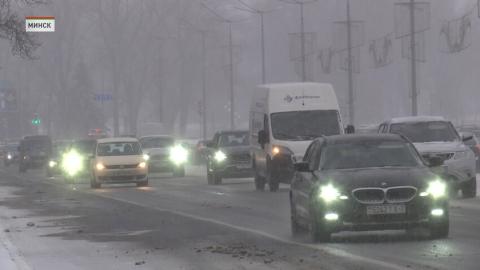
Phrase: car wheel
{"type": "Point", "coordinates": [317, 230]}
{"type": "Point", "coordinates": [259, 182]}
{"type": "Point", "coordinates": [6, 164]}
{"type": "Point", "coordinates": [49, 173]}
{"type": "Point", "coordinates": [217, 179]}
{"type": "Point", "coordinates": [295, 227]}
{"type": "Point", "coordinates": [179, 172]}
{"type": "Point", "coordinates": [439, 229]}
{"type": "Point", "coordinates": [210, 178]}
{"type": "Point", "coordinates": [272, 181]}
{"type": "Point", "coordinates": [22, 168]}
{"type": "Point", "coordinates": [94, 184]}
{"type": "Point", "coordinates": [143, 184]}
{"type": "Point", "coordinates": [469, 189]}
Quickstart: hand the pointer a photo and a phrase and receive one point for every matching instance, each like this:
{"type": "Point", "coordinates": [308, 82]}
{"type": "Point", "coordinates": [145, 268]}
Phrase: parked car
{"type": "Point", "coordinates": [118, 160]}
{"type": "Point", "coordinates": [435, 136]}
{"type": "Point", "coordinates": [367, 182]}
{"type": "Point", "coordinates": [165, 154]}
{"type": "Point", "coordinates": [228, 156]}
{"type": "Point", "coordinates": [34, 152]}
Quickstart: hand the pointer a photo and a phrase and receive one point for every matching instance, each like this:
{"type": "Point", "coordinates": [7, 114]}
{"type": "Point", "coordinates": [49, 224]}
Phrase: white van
{"type": "Point", "coordinates": [284, 120]}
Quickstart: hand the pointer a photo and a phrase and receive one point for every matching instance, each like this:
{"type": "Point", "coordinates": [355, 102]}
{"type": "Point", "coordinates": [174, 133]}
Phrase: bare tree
{"type": "Point", "coordinates": [12, 28]}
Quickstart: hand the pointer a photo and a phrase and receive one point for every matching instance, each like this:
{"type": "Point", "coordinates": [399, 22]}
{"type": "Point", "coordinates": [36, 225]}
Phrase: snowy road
{"type": "Point", "coordinates": [182, 223]}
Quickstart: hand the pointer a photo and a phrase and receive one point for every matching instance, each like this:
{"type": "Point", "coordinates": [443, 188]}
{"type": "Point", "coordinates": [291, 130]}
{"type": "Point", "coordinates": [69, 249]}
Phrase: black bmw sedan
{"type": "Point", "coordinates": [367, 182]}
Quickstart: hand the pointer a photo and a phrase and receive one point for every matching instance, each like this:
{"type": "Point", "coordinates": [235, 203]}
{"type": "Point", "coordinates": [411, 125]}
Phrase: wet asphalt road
{"type": "Point", "coordinates": [182, 223]}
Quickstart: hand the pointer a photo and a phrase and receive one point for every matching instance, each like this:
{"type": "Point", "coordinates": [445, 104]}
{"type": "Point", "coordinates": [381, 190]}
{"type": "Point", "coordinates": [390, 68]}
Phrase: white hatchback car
{"type": "Point", "coordinates": [118, 160]}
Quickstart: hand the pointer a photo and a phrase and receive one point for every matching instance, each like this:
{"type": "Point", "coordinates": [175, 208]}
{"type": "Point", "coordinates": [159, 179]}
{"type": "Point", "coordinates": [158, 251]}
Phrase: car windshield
{"type": "Point", "coordinates": [58, 149]}
{"type": "Point", "coordinates": [156, 142]}
{"type": "Point", "coordinates": [233, 139]}
{"type": "Point", "coordinates": [368, 155]}
{"type": "Point", "coordinates": [435, 131]}
{"type": "Point", "coordinates": [119, 149]}
{"type": "Point", "coordinates": [36, 145]}
{"type": "Point", "coordinates": [11, 147]}
{"type": "Point", "coordinates": [86, 146]}
{"type": "Point", "coordinates": [304, 125]}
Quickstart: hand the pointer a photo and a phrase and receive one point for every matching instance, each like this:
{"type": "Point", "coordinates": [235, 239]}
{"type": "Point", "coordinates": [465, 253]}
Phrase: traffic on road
{"type": "Point", "coordinates": [239, 135]}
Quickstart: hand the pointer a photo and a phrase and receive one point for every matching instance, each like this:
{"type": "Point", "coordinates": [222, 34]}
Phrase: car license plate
{"type": "Point", "coordinates": [386, 209]}
{"type": "Point", "coordinates": [243, 166]}
{"type": "Point", "coordinates": [123, 173]}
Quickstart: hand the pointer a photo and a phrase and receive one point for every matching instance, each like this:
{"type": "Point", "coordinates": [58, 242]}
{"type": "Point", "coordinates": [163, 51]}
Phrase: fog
{"type": "Point", "coordinates": [136, 67]}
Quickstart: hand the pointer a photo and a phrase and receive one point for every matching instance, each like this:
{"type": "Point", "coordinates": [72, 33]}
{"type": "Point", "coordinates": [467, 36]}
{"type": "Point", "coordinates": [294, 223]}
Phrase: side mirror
{"type": "Point", "coordinates": [466, 136]}
{"type": "Point", "coordinates": [435, 161]}
{"type": "Point", "coordinates": [350, 129]}
{"type": "Point", "coordinates": [262, 137]}
{"type": "Point", "coordinates": [302, 167]}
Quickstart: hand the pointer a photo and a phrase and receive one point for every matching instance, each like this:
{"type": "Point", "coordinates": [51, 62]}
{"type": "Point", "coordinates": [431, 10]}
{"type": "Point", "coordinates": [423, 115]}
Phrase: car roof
{"type": "Point", "coordinates": [157, 136]}
{"type": "Point", "coordinates": [117, 139]}
{"type": "Point", "coordinates": [414, 119]}
{"type": "Point", "coordinates": [232, 131]}
{"type": "Point", "coordinates": [358, 138]}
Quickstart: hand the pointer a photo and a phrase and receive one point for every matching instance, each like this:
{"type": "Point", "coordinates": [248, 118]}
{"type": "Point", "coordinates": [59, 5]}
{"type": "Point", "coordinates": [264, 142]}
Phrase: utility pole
{"type": "Point", "coordinates": [232, 97]}
{"type": "Point", "coordinates": [302, 38]}
{"type": "Point", "coordinates": [413, 61]}
{"type": "Point", "coordinates": [230, 50]}
{"type": "Point", "coordinates": [203, 35]}
{"type": "Point", "coordinates": [260, 13]}
{"type": "Point", "coordinates": [204, 86]}
{"type": "Point", "coordinates": [351, 107]}
{"type": "Point", "coordinates": [301, 3]}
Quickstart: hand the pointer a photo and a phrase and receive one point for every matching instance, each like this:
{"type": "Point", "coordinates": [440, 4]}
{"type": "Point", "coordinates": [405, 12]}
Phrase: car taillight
{"type": "Point", "coordinates": [478, 147]}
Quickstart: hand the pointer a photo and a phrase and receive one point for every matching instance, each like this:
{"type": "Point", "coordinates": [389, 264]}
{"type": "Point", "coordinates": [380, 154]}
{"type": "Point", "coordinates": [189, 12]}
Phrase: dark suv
{"type": "Point", "coordinates": [34, 152]}
{"type": "Point", "coordinates": [228, 156]}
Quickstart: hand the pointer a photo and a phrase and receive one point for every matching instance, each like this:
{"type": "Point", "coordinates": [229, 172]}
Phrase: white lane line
{"type": "Point", "coordinates": [329, 250]}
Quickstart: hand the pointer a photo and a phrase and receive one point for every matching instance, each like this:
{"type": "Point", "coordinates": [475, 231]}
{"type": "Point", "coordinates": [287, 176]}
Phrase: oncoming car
{"type": "Point", "coordinates": [164, 154]}
{"type": "Point", "coordinates": [75, 161]}
{"type": "Point", "coordinates": [229, 156]}
{"type": "Point", "coordinates": [367, 182]}
{"type": "Point", "coordinates": [54, 166]}
{"type": "Point", "coordinates": [118, 160]}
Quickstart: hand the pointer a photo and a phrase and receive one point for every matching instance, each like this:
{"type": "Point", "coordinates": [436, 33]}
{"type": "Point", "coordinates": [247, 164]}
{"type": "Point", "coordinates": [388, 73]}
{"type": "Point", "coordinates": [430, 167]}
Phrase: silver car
{"type": "Point", "coordinates": [435, 136]}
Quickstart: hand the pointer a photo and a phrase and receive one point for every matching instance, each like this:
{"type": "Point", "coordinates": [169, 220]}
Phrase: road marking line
{"type": "Point", "coordinates": [329, 250]}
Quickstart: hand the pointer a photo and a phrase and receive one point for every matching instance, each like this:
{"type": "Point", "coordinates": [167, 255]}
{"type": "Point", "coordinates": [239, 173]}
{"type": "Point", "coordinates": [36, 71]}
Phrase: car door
{"type": "Point", "coordinates": [303, 183]}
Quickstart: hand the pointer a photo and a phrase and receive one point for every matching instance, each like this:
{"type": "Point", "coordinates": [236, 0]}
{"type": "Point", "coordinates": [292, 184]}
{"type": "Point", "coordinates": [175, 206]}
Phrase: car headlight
{"type": "Point", "coordinates": [436, 189]}
{"type": "Point", "coordinates": [277, 149]}
{"type": "Point", "coordinates": [219, 156]}
{"type": "Point", "coordinates": [178, 155]}
{"type": "Point", "coordinates": [100, 167]}
{"type": "Point", "coordinates": [72, 162]}
{"type": "Point", "coordinates": [142, 165]}
{"type": "Point", "coordinates": [461, 154]}
{"type": "Point", "coordinates": [146, 157]}
{"type": "Point", "coordinates": [329, 193]}
{"type": "Point", "coordinates": [52, 163]}
{"type": "Point", "coordinates": [9, 156]}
